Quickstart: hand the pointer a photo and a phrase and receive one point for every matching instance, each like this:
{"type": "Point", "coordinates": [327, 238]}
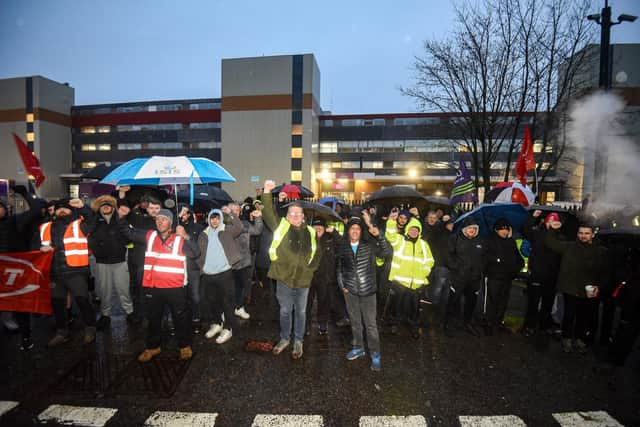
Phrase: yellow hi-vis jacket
{"type": "Point", "coordinates": [279, 234]}
{"type": "Point", "coordinates": [412, 262]}
{"type": "Point", "coordinates": [338, 225]}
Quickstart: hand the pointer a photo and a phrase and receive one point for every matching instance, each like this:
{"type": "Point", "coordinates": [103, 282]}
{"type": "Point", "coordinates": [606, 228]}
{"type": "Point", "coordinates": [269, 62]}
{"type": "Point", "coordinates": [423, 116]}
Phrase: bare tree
{"type": "Point", "coordinates": [503, 61]}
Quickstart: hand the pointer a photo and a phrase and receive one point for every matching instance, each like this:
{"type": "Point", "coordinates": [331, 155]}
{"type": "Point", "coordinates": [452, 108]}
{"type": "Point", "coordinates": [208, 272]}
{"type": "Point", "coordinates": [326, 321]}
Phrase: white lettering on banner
{"type": "Point", "coordinates": [13, 274]}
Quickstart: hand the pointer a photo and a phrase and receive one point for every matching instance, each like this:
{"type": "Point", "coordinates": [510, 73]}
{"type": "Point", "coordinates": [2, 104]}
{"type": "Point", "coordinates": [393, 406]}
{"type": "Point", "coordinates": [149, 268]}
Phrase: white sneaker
{"type": "Point", "coordinates": [224, 336]}
{"type": "Point", "coordinates": [241, 313]}
{"type": "Point", "coordinates": [214, 330]}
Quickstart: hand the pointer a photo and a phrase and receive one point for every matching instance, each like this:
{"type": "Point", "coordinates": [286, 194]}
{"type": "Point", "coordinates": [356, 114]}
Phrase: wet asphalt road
{"type": "Point", "coordinates": [435, 376]}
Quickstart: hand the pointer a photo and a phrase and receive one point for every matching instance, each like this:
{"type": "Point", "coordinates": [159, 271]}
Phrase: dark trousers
{"type": "Point", "coordinates": [497, 293]}
{"type": "Point", "coordinates": [405, 305]}
{"type": "Point", "coordinates": [338, 306]}
{"type": "Point", "coordinates": [193, 285]}
{"type": "Point", "coordinates": [362, 312]}
{"type": "Point", "coordinates": [177, 301]}
{"type": "Point", "coordinates": [468, 289]}
{"type": "Point", "coordinates": [24, 324]}
{"type": "Point", "coordinates": [219, 291]}
{"type": "Point", "coordinates": [577, 312]}
{"type": "Point", "coordinates": [439, 288]}
{"type": "Point", "coordinates": [321, 293]}
{"type": "Point", "coordinates": [540, 293]}
{"type": "Point", "coordinates": [242, 285]}
{"type": "Point", "coordinates": [78, 286]}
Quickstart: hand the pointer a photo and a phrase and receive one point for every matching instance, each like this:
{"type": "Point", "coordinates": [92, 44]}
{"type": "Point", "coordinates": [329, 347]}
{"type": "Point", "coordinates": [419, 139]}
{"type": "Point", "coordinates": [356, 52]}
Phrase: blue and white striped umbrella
{"type": "Point", "coordinates": [159, 170]}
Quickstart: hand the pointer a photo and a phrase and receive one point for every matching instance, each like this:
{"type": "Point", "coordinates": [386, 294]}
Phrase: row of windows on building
{"type": "Point", "coordinates": [406, 146]}
{"type": "Point", "coordinates": [148, 127]}
{"type": "Point", "coordinates": [150, 146]}
{"type": "Point", "coordinates": [149, 107]}
{"type": "Point", "coordinates": [414, 121]}
{"type": "Point", "coordinates": [379, 164]}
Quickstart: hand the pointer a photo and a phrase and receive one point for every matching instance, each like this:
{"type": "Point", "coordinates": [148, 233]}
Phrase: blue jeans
{"type": "Point", "coordinates": [292, 300]}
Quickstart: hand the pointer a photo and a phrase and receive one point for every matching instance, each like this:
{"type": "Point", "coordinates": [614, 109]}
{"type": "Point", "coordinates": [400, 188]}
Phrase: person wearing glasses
{"type": "Point", "coordinates": [294, 258]}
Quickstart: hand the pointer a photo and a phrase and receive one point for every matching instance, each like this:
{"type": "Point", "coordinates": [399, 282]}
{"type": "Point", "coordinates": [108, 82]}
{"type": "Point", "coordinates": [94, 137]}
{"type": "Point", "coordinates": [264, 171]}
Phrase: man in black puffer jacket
{"type": "Point", "coordinates": [503, 262]}
{"type": "Point", "coordinates": [465, 261]}
{"type": "Point", "coordinates": [357, 279]}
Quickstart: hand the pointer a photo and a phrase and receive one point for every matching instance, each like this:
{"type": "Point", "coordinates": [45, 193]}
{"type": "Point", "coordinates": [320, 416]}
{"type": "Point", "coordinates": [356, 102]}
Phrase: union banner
{"type": "Point", "coordinates": [24, 282]}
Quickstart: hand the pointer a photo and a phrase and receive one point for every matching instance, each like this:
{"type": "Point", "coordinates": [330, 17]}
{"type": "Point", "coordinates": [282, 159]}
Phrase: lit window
{"type": "Point", "coordinates": [30, 137]}
{"type": "Point", "coordinates": [30, 117]}
{"type": "Point", "coordinates": [88, 165]}
{"type": "Point", "coordinates": [104, 129]}
{"type": "Point", "coordinates": [88, 147]}
{"type": "Point", "coordinates": [296, 175]}
{"type": "Point", "coordinates": [88, 129]}
{"type": "Point", "coordinates": [104, 147]}
{"type": "Point", "coordinates": [296, 129]}
{"type": "Point", "coordinates": [296, 153]}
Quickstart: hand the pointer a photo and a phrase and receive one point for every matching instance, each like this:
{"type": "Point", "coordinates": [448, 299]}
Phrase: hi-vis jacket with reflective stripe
{"type": "Point", "coordinates": [164, 262]}
{"type": "Point", "coordinates": [412, 261]}
{"type": "Point", "coordinates": [76, 246]}
{"type": "Point", "coordinates": [293, 252]}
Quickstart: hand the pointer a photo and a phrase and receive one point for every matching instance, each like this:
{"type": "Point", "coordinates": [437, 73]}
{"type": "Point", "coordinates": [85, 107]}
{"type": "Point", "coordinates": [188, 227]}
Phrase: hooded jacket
{"type": "Point", "coordinates": [109, 246]}
{"type": "Point", "coordinates": [412, 258]}
{"type": "Point", "coordinates": [293, 265]}
{"type": "Point", "coordinates": [544, 263]}
{"type": "Point", "coordinates": [15, 230]}
{"type": "Point", "coordinates": [244, 241]}
{"type": "Point", "coordinates": [466, 255]}
{"type": "Point", "coordinates": [227, 235]}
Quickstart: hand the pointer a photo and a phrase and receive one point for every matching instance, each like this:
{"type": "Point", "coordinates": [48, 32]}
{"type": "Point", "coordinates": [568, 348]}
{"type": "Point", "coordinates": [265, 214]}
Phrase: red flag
{"type": "Point", "coordinates": [526, 161]}
{"type": "Point", "coordinates": [30, 162]}
{"type": "Point", "coordinates": [24, 282]}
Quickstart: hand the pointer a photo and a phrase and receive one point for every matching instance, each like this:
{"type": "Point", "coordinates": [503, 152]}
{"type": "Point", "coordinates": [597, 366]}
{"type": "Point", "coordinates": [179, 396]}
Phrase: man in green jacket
{"type": "Point", "coordinates": [294, 258]}
{"type": "Point", "coordinates": [582, 272]}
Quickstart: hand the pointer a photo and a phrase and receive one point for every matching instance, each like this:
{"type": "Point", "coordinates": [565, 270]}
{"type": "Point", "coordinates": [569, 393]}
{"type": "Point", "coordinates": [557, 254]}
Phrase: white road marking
{"type": "Point", "coordinates": [263, 420]}
{"type": "Point", "coordinates": [393, 421]}
{"type": "Point", "coordinates": [77, 415]}
{"type": "Point", "coordinates": [586, 419]}
{"type": "Point", "coordinates": [491, 421]}
{"type": "Point", "coordinates": [6, 406]}
{"type": "Point", "coordinates": [180, 419]}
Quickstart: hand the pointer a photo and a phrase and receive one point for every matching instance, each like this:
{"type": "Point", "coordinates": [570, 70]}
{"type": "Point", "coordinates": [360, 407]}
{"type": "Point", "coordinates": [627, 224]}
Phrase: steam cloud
{"type": "Point", "coordinates": [611, 158]}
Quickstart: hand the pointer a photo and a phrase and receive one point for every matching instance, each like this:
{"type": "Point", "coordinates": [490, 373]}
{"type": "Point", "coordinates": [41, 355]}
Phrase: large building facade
{"type": "Point", "coordinates": [268, 124]}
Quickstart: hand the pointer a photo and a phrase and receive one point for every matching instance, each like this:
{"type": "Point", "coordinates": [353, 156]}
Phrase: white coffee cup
{"type": "Point", "coordinates": [591, 290]}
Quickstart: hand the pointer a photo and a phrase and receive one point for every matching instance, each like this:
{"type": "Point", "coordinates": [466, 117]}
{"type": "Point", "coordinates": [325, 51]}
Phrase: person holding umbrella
{"type": "Point", "coordinates": [294, 258]}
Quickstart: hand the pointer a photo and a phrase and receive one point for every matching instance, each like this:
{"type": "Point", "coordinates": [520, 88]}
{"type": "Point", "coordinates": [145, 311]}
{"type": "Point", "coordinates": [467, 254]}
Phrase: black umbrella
{"type": "Point", "coordinates": [205, 192]}
{"type": "Point", "coordinates": [293, 189]}
{"type": "Point", "coordinates": [398, 195]}
{"type": "Point", "coordinates": [100, 171]}
{"type": "Point", "coordinates": [316, 210]}
{"type": "Point", "coordinates": [568, 218]}
{"type": "Point", "coordinates": [435, 200]}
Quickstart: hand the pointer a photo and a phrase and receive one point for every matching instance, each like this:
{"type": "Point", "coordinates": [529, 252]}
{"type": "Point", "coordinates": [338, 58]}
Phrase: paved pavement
{"type": "Point", "coordinates": [502, 380]}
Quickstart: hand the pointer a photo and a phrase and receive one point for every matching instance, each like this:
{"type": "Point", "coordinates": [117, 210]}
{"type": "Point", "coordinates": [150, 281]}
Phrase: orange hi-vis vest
{"type": "Point", "coordinates": [164, 263]}
{"type": "Point", "coordinates": [76, 247]}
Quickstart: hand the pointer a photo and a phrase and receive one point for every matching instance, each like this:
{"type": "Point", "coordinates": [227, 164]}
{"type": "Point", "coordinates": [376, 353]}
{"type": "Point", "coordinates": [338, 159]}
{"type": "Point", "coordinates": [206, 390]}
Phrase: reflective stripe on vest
{"type": "Point", "coordinates": [279, 234]}
{"type": "Point", "coordinates": [400, 260]}
{"type": "Point", "coordinates": [164, 263]}
{"type": "Point", "coordinates": [76, 246]}
{"type": "Point", "coordinates": [45, 234]}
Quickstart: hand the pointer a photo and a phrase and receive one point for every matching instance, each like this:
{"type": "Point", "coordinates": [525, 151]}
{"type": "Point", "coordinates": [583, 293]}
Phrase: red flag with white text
{"type": "Point", "coordinates": [24, 282]}
{"type": "Point", "coordinates": [29, 160]}
{"type": "Point", "coordinates": [526, 160]}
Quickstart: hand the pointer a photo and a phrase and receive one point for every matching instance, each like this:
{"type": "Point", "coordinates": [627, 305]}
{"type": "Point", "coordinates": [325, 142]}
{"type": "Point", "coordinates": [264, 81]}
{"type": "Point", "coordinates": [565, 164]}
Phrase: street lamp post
{"type": "Point", "coordinates": [604, 20]}
{"type": "Point", "coordinates": [604, 83]}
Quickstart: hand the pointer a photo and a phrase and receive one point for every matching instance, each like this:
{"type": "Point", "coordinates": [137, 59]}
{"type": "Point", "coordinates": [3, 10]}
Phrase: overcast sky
{"type": "Point", "coordinates": [144, 50]}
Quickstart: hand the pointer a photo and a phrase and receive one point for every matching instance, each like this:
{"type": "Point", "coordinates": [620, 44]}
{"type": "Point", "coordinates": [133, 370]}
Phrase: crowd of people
{"type": "Point", "coordinates": [372, 267]}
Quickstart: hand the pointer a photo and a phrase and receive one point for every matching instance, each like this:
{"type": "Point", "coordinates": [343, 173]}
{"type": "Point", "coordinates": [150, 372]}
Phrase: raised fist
{"type": "Point", "coordinates": [269, 185]}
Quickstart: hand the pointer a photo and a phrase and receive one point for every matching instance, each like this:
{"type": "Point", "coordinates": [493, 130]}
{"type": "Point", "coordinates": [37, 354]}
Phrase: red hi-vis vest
{"type": "Point", "coordinates": [164, 263]}
{"type": "Point", "coordinates": [76, 247]}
